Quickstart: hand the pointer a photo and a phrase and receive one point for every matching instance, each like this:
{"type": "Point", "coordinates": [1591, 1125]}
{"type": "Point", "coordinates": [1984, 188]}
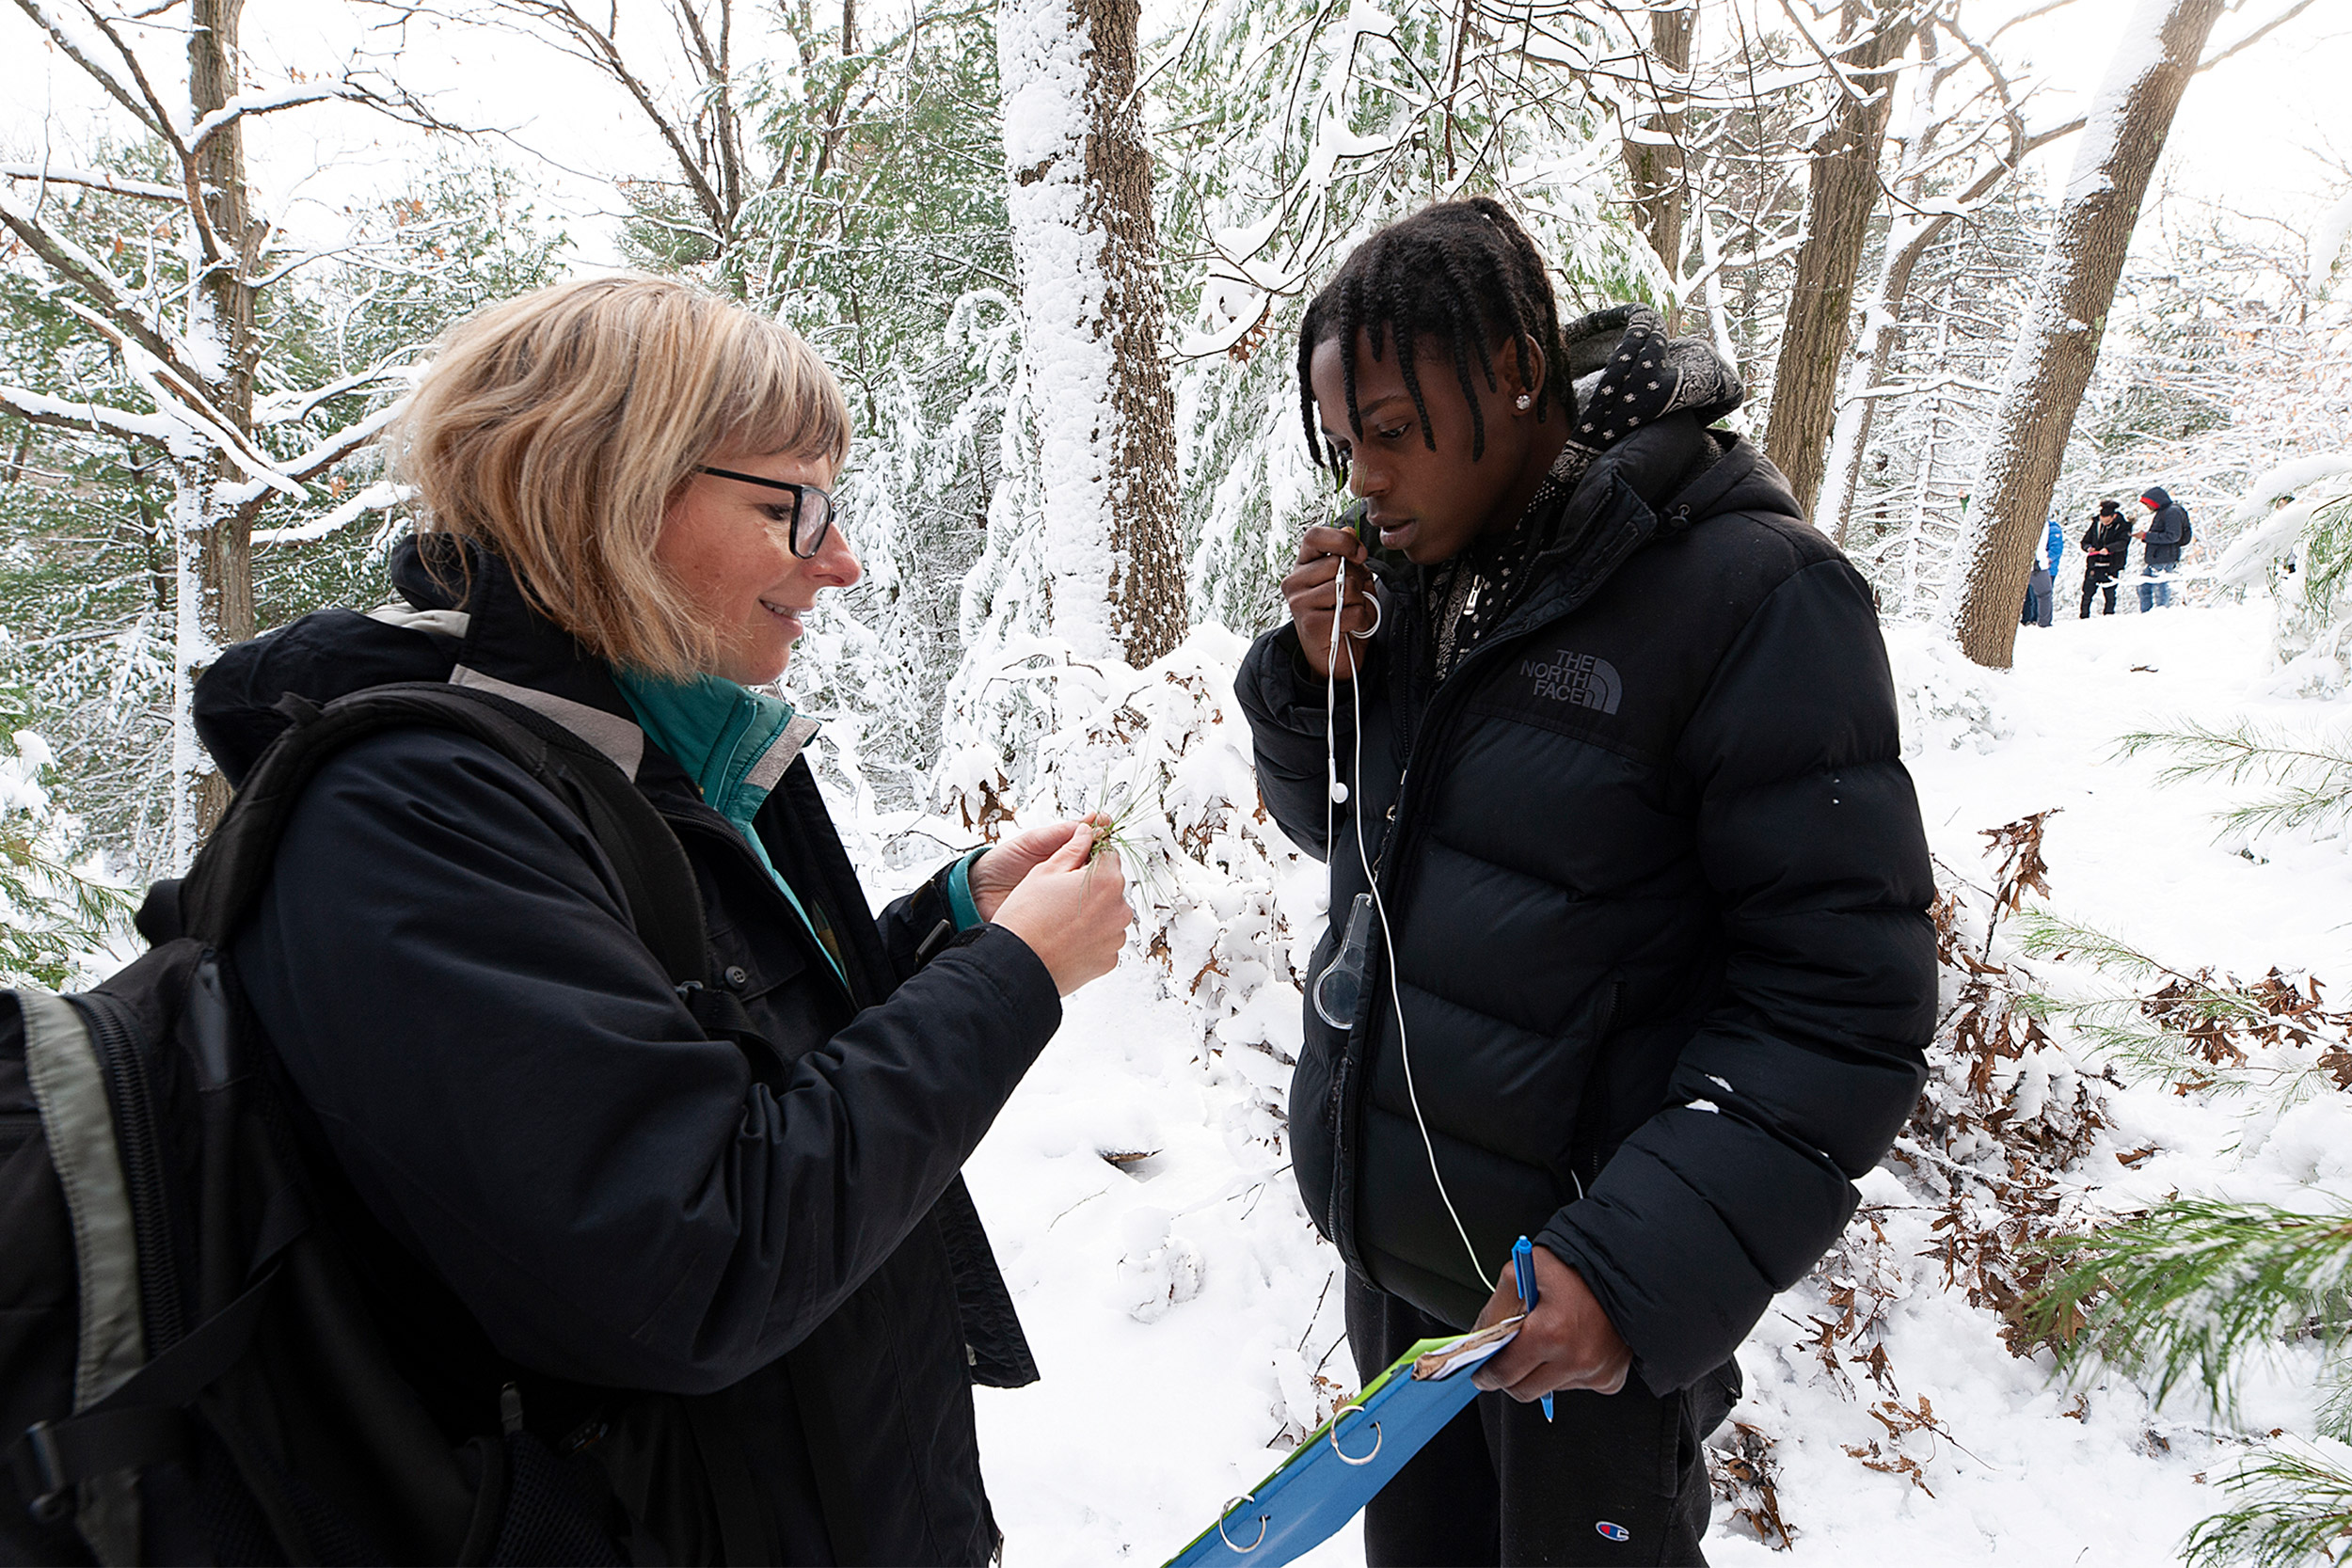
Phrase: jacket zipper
{"type": "Point", "coordinates": [1395, 837]}
{"type": "Point", "coordinates": [142, 1173]}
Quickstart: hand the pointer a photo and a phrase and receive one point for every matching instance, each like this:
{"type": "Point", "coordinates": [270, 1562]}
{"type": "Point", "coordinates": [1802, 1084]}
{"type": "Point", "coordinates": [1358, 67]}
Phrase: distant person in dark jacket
{"type": "Point", "coordinates": [2166, 533]}
{"type": "Point", "coordinates": [738, 1279]}
{"type": "Point", "coordinates": [1651, 973]}
{"type": "Point", "coordinates": [2106, 543]}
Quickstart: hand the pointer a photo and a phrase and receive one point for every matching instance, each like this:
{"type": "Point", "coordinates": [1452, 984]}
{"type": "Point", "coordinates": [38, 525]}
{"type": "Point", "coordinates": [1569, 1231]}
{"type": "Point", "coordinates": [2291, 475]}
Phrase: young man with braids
{"type": "Point", "coordinates": [1657, 970]}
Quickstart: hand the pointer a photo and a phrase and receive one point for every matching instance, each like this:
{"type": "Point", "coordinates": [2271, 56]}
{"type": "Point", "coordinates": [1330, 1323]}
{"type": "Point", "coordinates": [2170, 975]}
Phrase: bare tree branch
{"type": "Point", "coordinates": [114, 86]}
{"type": "Point", "coordinates": [2297, 9]}
{"type": "Point", "coordinates": [159, 118]}
{"type": "Point", "coordinates": [97, 180]}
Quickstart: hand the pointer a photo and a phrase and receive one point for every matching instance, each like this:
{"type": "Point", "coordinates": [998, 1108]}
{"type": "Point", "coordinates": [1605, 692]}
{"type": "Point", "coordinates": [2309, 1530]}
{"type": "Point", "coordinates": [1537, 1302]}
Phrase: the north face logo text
{"type": "Point", "coordinates": [1578, 679]}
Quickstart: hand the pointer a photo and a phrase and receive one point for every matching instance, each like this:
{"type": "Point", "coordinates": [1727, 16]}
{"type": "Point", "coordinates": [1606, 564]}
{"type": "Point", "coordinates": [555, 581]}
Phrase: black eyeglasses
{"type": "Point", "coordinates": [812, 510]}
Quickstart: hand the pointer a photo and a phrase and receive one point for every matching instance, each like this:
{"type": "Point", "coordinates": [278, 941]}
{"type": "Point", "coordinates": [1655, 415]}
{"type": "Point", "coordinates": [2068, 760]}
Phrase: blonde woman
{"type": "Point", "coordinates": [740, 1288]}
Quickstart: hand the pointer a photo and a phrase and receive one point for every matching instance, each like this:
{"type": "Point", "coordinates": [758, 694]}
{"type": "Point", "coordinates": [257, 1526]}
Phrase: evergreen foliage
{"type": "Point", "coordinates": [2309, 781]}
{"type": "Point", "coordinates": [53, 913]}
{"type": "Point", "coordinates": [87, 581]}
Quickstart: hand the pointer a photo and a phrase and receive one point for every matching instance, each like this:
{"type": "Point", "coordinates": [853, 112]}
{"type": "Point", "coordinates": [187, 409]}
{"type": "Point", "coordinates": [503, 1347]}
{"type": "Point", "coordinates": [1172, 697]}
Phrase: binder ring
{"type": "Point", "coordinates": [1346, 1458]}
{"type": "Point", "coordinates": [1229, 1541]}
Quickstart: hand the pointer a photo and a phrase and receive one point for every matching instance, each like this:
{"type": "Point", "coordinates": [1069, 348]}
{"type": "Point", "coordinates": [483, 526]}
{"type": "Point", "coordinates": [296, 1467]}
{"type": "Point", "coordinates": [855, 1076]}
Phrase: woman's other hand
{"type": "Point", "coordinates": [1310, 592]}
{"type": "Point", "coordinates": [998, 872]}
{"type": "Point", "coordinates": [1071, 912]}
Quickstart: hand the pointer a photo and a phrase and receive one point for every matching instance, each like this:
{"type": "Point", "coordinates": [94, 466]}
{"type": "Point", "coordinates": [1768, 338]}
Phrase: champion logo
{"type": "Point", "coordinates": [1578, 679]}
{"type": "Point", "coordinates": [1615, 1532]}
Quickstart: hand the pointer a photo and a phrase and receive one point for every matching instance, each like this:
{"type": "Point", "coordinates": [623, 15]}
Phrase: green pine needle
{"type": "Point", "coordinates": [2190, 1288]}
{"type": "Point", "coordinates": [2296, 1508]}
{"type": "Point", "coordinates": [2308, 780]}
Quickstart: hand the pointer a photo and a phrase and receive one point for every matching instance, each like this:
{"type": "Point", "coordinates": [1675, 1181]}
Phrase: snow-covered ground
{"type": "Point", "coordinates": [1180, 1306]}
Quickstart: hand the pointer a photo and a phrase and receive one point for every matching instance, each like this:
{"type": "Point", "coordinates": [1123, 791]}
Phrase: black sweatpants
{"type": "Point", "coordinates": [1618, 1479]}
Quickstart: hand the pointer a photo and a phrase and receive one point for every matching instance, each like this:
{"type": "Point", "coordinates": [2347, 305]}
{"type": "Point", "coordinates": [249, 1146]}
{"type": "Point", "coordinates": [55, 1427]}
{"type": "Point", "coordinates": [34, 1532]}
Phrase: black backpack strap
{"type": "Point", "coordinates": [142, 1422]}
{"type": "Point", "coordinates": [664, 904]}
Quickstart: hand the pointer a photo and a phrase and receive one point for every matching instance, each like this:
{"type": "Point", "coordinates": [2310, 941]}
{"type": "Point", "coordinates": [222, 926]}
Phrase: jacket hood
{"type": "Point", "coordinates": [2157, 496]}
{"type": "Point", "coordinates": [460, 616]}
{"type": "Point", "coordinates": [1674, 476]}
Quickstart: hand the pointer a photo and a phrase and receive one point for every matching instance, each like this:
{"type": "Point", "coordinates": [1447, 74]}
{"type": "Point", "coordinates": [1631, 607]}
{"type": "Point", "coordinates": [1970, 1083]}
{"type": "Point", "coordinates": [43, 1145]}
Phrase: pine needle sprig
{"type": "Point", "coordinates": [2192, 1288]}
{"type": "Point", "coordinates": [2196, 1030]}
{"type": "Point", "coordinates": [2296, 1508]}
{"type": "Point", "coordinates": [2309, 779]}
{"type": "Point", "coordinates": [1131, 813]}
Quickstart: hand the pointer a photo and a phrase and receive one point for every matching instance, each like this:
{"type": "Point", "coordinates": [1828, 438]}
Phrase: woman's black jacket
{"type": "Point", "coordinates": [749, 1282]}
{"type": "Point", "coordinates": [1658, 892]}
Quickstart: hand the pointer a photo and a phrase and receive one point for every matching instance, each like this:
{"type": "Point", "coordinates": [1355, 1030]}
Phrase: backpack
{"type": "Point", "coordinates": [190, 1360]}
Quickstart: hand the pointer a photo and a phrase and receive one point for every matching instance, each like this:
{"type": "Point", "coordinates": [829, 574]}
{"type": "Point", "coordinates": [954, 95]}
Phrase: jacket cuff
{"type": "Point", "coordinates": [1032, 1002]}
{"type": "Point", "coordinates": [960, 904]}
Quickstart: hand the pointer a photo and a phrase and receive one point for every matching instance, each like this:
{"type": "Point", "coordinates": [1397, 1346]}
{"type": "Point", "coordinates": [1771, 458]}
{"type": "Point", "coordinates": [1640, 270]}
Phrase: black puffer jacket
{"type": "Point", "coordinates": [752, 1284]}
{"type": "Point", "coordinates": [2112, 535]}
{"type": "Point", "coordinates": [1658, 889]}
{"type": "Point", "coordinates": [2168, 527]}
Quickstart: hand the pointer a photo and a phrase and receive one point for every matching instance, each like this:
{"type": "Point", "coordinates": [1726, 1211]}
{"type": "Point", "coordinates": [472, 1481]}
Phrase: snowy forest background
{"type": "Point", "coordinates": [1057, 250]}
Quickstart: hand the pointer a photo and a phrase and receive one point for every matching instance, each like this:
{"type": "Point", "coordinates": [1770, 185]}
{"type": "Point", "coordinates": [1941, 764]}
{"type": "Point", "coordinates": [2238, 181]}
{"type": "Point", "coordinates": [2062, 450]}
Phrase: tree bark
{"type": "Point", "coordinates": [1091, 307]}
{"type": "Point", "coordinates": [2158, 53]}
{"type": "Point", "coordinates": [1656, 170]}
{"type": "Point", "coordinates": [216, 548]}
{"type": "Point", "coordinates": [1843, 192]}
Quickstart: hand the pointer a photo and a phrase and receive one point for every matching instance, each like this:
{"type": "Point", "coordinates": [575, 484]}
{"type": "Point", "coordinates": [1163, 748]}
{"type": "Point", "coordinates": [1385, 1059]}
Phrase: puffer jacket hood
{"type": "Point", "coordinates": [2168, 527]}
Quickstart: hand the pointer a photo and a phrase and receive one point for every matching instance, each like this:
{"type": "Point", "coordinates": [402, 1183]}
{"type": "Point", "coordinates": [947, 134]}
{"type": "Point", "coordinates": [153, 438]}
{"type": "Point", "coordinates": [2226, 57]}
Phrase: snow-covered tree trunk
{"type": "Point", "coordinates": [1653, 150]}
{"type": "Point", "coordinates": [2157, 53]}
{"type": "Point", "coordinates": [1092, 311]}
{"type": "Point", "coordinates": [183, 326]}
{"type": "Point", "coordinates": [1843, 172]}
{"type": "Point", "coordinates": [214, 540]}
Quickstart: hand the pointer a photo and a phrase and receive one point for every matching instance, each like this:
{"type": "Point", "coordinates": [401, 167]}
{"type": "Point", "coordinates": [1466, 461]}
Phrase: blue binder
{"type": "Point", "coordinates": [1328, 1478]}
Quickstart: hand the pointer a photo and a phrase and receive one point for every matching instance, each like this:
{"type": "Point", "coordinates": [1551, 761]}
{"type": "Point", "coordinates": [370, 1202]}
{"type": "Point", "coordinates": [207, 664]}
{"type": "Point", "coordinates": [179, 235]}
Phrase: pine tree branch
{"type": "Point", "coordinates": [2191, 1288]}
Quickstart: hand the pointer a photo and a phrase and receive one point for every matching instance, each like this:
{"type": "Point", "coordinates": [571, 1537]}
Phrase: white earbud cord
{"type": "Point", "coordinates": [1380, 905]}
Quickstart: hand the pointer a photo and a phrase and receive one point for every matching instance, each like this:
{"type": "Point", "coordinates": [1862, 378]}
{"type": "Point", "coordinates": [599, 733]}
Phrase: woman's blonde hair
{"type": "Point", "coordinates": [556, 429]}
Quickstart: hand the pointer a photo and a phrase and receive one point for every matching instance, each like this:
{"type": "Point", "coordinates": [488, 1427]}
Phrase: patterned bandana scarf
{"type": "Point", "coordinates": [1644, 377]}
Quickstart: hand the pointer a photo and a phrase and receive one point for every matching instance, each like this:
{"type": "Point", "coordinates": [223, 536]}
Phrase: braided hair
{"type": "Point", "coordinates": [1464, 272]}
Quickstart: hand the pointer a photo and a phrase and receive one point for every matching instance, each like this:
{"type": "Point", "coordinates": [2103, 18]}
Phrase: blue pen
{"type": "Point", "coordinates": [1523, 1265]}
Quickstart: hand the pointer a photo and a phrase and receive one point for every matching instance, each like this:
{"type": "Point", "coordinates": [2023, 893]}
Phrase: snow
{"type": "Point", "coordinates": [2329, 237]}
{"type": "Point", "coordinates": [104, 180]}
{"type": "Point", "coordinates": [1067, 362]}
{"type": "Point", "coordinates": [2138, 50]}
{"type": "Point", "coordinates": [1182, 1309]}
{"type": "Point", "coordinates": [246, 103]}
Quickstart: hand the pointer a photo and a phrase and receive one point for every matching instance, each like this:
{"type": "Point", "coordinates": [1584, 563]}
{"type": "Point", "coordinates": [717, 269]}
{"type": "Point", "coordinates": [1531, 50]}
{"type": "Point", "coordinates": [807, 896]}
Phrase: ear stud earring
{"type": "Point", "coordinates": [1523, 400]}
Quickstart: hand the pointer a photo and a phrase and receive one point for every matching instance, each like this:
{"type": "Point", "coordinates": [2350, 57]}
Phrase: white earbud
{"type": "Point", "coordinates": [1338, 793]}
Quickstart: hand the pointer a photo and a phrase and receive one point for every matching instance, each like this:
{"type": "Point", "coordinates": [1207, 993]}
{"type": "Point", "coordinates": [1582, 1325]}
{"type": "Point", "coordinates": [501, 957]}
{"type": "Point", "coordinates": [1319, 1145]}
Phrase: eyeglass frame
{"type": "Point", "coordinates": [800, 492]}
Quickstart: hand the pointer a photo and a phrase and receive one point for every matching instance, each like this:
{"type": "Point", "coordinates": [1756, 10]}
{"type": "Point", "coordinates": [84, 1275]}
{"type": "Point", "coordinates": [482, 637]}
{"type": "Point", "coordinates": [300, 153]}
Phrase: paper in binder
{"type": "Point", "coordinates": [1328, 1478]}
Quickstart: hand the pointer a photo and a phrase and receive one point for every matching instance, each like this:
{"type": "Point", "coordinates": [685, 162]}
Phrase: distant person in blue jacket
{"type": "Point", "coordinates": [2167, 532]}
{"type": "Point", "coordinates": [2041, 603]}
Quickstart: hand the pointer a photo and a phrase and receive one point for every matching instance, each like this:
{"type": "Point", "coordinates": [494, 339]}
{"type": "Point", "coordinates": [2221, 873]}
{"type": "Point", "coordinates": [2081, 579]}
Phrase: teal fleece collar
{"type": "Point", "coordinates": [735, 743]}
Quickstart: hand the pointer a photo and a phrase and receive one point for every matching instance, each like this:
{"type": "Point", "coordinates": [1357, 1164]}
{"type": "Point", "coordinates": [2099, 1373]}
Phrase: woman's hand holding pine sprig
{"type": "Point", "coordinates": [1071, 912]}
